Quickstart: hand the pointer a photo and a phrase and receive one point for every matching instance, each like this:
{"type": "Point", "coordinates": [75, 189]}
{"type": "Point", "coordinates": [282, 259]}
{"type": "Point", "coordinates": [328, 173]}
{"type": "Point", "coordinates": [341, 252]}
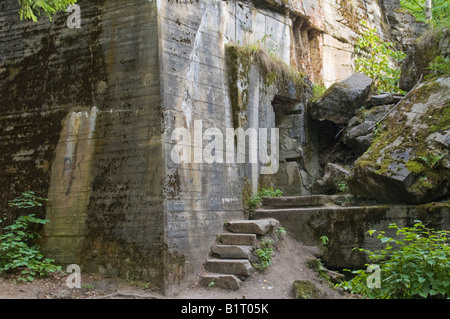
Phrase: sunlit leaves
{"type": "Point", "coordinates": [375, 58]}
{"type": "Point", "coordinates": [31, 9]}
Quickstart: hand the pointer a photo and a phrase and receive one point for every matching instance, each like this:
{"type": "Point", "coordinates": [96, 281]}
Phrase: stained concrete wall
{"type": "Point", "coordinates": [87, 117]}
{"type": "Point", "coordinates": [200, 196]}
{"type": "Point", "coordinates": [81, 125]}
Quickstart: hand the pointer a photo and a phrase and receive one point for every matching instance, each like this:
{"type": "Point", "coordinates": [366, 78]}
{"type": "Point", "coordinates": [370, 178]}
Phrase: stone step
{"type": "Point", "coordinates": [226, 281]}
{"type": "Point", "coordinates": [238, 267]}
{"type": "Point", "coordinates": [303, 201]}
{"type": "Point", "coordinates": [258, 227]}
{"type": "Point", "coordinates": [237, 239]}
{"type": "Point", "coordinates": [232, 251]}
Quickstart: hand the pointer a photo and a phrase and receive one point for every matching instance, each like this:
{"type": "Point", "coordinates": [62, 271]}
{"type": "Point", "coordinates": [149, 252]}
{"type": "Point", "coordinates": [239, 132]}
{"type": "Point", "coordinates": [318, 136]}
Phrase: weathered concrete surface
{"type": "Point", "coordinates": [232, 251]}
{"type": "Point", "coordinates": [87, 117]}
{"type": "Point", "coordinates": [302, 201]}
{"type": "Point", "coordinates": [237, 239]}
{"type": "Point", "coordinates": [81, 124]}
{"type": "Point", "coordinates": [346, 227]}
{"type": "Point", "coordinates": [239, 267]}
{"type": "Point", "coordinates": [258, 227]}
{"type": "Point", "coordinates": [226, 281]}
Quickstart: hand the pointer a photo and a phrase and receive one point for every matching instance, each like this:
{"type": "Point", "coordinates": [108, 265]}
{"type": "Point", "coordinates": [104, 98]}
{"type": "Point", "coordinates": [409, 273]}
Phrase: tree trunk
{"type": "Point", "coordinates": [428, 14]}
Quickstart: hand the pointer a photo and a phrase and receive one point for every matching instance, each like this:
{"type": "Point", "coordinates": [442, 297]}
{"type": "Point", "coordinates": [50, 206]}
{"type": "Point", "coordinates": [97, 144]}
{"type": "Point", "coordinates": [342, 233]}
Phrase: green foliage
{"type": "Point", "coordinates": [27, 200]}
{"type": "Point", "coordinates": [264, 254]}
{"type": "Point", "coordinates": [378, 129]}
{"type": "Point", "coordinates": [440, 66]}
{"type": "Point", "coordinates": [440, 10]}
{"type": "Point", "coordinates": [318, 90]}
{"type": "Point", "coordinates": [342, 186]}
{"type": "Point", "coordinates": [30, 9]}
{"type": "Point", "coordinates": [414, 266]}
{"type": "Point", "coordinates": [375, 57]}
{"type": "Point", "coordinates": [280, 231]}
{"type": "Point", "coordinates": [324, 239]}
{"type": "Point", "coordinates": [17, 251]}
{"type": "Point", "coordinates": [257, 198]}
{"type": "Point", "coordinates": [431, 161]}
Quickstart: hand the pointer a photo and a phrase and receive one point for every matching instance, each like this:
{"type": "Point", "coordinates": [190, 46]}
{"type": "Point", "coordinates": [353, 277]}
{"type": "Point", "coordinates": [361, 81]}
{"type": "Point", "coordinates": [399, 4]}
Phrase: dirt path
{"type": "Point", "coordinates": [289, 264]}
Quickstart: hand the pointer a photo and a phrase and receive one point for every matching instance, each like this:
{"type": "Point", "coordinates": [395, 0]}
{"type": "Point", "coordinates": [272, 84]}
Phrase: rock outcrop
{"type": "Point", "coordinates": [423, 51]}
{"type": "Point", "coordinates": [408, 160]}
{"type": "Point", "coordinates": [341, 99]}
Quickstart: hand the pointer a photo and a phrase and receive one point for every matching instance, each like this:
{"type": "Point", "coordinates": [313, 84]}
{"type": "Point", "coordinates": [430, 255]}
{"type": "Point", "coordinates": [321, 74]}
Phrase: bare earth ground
{"type": "Point", "coordinates": [289, 264]}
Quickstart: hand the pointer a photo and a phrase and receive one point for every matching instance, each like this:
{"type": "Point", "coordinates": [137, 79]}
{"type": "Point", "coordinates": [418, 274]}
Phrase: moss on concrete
{"type": "Point", "coordinates": [273, 72]}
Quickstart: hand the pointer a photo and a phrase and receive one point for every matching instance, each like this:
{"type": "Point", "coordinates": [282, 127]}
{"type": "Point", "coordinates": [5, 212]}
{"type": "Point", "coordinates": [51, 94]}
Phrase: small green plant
{"type": "Point", "coordinates": [257, 198]}
{"type": "Point", "coordinates": [264, 255]}
{"type": "Point", "coordinates": [342, 186]}
{"type": "Point", "coordinates": [17, 251]}
{"type": "Point", "coordinates": [440, 66]}
{"type": "Point", "coordinates": [417, 265]}
{"type": "Point", "coordinates": [280, 231]}
{"type": "Point", "coordinates": [375, 57]}
{"type": "Point", "coordinates": [318, 90]}
{"type": "Point", "coordinates": [324, 239]}
{"type": "Point", "coordinates": [431, 161]}
{"type": "Point", "coordinates": [27, 200]}
{"type": "Point", "coordinates": [88, 286]}
{"type": "Point", "coordinates": [211, 284]}
{"type": "Point", "coordinates": [378, 129]}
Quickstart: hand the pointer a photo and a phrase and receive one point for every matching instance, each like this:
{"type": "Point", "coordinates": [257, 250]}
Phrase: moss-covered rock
{"type": "Point", "coordinates": [408, 160]}
{"type": "Point", "coordinates": [305, 289]}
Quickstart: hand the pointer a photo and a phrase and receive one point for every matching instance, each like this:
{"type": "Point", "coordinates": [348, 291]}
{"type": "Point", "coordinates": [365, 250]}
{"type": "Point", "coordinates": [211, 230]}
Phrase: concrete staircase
{"type": "Point", "coordinates": [230, 258]}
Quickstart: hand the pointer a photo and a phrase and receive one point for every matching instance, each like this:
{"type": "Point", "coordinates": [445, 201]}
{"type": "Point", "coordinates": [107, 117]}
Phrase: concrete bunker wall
{"type": "Point", "coordinates": [81, 124]}
{"type": "Point", "coordinates": [87, 117]}
{"type": "Point", "coordinates": [195, 78]}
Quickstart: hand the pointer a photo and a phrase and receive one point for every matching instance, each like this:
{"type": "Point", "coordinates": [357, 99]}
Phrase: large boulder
{"type": "Point", "coordinates": [408, 160]}
{"type": "Point", "coordinates": [340, 100]}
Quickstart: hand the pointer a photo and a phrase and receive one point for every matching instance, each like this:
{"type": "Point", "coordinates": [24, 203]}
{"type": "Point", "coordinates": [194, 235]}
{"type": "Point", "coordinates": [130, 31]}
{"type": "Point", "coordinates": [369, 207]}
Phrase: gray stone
{"type": "Point", "coordinates": [232, 251]}
{"type": "Point", "coordinates": [360, 136]}
{"type": "Point", "coordinates": [381, 99]}
{"type": "Point", "coordinates": [239, 267]}
{"type": "Point", "coordinates": [329, 184]}
{"type": "Point", "coordinates": [354, 121]}
{"type": "Point", "coordinates": [340, 101]}
{"type": "Point", "coordinates": [226, 281]}
{"type": "Point", "coordinates": [408, 161]}
{"type": "Point", "coordinates": [237, 239]}
{"type": "Point", "coordinates": [258, 227]}
{"type": "Point", "coordinates": [374, 114]}
{"type": "Point", "coordinates": [442, 138]}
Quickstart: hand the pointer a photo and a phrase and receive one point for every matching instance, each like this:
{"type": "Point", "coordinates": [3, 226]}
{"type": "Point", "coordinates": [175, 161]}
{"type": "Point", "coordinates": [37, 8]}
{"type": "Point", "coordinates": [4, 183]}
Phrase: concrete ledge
{"type": "Point", "coordinates": [229, 266]}
{"type": "Point", "coordinates": [346, 227]}
{"type": "Point", "coordinates": [301, 201]}
{"type": "Point", "coordinates": [259, 227]}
